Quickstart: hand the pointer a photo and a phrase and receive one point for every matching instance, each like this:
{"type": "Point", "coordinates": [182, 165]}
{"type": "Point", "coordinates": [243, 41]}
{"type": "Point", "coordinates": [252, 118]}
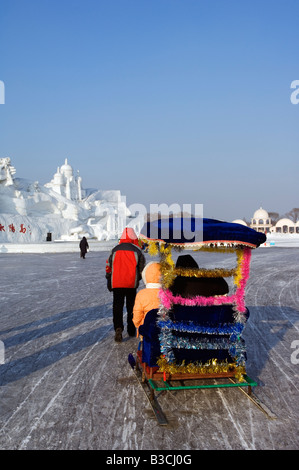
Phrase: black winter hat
{"type": "Point", "coordinates": [186, 261]}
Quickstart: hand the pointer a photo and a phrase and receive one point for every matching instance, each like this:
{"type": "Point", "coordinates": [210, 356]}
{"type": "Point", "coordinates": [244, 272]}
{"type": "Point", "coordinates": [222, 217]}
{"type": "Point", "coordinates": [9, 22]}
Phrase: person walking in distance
{"type": "Point", "coordinates": [83, 245]}
{"type": "Point", "coordinates": [123, 272]}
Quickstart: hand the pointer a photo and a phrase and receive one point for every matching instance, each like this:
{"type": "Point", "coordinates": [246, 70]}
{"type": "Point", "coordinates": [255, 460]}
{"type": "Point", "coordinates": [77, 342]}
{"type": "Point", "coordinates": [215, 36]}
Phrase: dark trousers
{"type": "Point", "coordinates": [119, 297]}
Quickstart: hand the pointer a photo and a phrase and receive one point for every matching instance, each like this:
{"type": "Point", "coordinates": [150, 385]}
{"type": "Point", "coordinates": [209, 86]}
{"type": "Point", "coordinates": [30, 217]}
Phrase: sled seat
{"type": "Point", "coordinates": [211, 326]}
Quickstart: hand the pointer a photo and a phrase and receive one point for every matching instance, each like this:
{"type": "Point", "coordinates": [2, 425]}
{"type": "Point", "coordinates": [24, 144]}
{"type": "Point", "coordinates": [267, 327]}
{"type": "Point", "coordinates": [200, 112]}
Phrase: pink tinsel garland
{"type": "Point", "coordinates": [168, 299]}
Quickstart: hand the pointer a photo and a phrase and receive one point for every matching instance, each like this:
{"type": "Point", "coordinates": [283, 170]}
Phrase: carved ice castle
{"type": "Point", "coordinates": [66, 184]}
{"type": "Point", "coordinates": [59, 210]}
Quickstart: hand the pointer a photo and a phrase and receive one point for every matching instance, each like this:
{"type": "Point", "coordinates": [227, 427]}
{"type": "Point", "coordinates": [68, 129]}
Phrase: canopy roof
{"type": "Point", "coordinates": [195, 232]}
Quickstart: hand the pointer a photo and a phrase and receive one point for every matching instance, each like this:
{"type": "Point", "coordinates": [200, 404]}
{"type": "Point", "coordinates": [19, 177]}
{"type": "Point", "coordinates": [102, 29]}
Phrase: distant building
{"type": "Point", "coordinates": [261, 222]}
{"type": "Point", "coordinates": [285, 226]}
{"type": "Point", "coordinates": [240, 221]}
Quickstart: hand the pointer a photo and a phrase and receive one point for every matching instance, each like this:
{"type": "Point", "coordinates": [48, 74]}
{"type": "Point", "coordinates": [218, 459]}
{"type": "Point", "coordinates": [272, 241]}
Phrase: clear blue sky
{"type": "Point", "coordinates": [174, 101]}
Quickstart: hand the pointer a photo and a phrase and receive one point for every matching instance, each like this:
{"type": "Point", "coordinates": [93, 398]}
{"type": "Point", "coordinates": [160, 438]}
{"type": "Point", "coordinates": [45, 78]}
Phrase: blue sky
{"type": "Point", "coordinates": [170, 101]}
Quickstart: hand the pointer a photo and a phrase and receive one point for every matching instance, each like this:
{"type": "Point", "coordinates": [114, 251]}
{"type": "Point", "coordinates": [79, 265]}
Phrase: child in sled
{"type": "Point", "coordinates": [147, 299]}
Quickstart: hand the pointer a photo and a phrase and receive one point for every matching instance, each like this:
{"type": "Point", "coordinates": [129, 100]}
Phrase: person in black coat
{"type": "Point", "coordinates": [83, 247]}
{"type": "Point", "coordinates": [192, 286]}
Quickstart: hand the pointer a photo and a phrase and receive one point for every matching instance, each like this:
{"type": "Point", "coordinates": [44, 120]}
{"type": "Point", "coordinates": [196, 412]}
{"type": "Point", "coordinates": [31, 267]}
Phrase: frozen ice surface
{"type": "Point", "coordinates": [66, 384]}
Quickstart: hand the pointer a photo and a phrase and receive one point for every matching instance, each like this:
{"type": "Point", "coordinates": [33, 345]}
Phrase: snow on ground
{"type": "Point", "coordinates": [66, 384]}
{"type": "Point", "coordinates": [55, 247]}
{"type": "Point", "coordinates": [290, 240]}
{"type": "Point", "coordinates": [274, 240]}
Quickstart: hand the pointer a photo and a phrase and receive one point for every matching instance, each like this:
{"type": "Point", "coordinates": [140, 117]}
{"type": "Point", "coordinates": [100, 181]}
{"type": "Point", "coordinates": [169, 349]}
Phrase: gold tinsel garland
{"type": "Point", "coordinates": [210, 367]}
{"type": "Point", "coordinates": [238, 274]}
{"type": "Point", "coordinates": [194, 272]}
{"type": "Point", "coordinates": [169, 271]}
{"type": "Point", "coordinates": [167, 266]}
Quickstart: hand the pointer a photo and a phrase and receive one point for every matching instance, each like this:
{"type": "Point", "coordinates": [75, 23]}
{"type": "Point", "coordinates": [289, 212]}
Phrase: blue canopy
{"type": "Point", "coordinates": [196, 231]}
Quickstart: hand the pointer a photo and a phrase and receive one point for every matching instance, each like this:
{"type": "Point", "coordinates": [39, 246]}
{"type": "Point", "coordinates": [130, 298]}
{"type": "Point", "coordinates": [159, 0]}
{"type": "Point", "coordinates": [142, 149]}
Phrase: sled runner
{"type": "Point", "coordinates": [194, 340]}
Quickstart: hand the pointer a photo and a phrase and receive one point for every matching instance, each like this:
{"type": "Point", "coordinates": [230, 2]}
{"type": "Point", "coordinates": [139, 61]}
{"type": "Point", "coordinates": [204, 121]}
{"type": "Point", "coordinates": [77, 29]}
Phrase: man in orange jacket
{"type": "Point", "coordinates": [123, 271]}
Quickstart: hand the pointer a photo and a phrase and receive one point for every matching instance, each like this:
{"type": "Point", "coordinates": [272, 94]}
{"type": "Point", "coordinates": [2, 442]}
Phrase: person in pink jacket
{"type": "Point", "coordinates": [148, 298]}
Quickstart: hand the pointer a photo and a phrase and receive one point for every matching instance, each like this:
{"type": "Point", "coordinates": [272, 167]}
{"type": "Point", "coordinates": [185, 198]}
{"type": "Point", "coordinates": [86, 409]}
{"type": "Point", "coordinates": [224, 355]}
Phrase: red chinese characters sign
{"type": "Point", "coordinates": [12, 228]}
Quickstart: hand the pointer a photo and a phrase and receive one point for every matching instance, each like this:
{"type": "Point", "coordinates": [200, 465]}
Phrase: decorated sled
{"type": "Point", "coordinates": [193, 338]}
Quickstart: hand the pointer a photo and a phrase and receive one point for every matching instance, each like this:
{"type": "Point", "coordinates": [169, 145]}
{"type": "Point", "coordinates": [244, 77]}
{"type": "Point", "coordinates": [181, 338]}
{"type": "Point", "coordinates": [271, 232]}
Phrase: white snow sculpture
{"type": "Point", "coordinates": [6, 171]}
{"type": "Point", "coordinates": [30, 212]}
{"type": "Point", "coordinates": [66, 184]}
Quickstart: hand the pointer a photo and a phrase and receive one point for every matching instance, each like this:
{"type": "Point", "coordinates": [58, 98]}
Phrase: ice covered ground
{"type": "Point", "coordinates": [56, 247]}
{"type": "Point", "coordinates": [274, 240]}
{"type": "Point", "coordinates": [66, 384]}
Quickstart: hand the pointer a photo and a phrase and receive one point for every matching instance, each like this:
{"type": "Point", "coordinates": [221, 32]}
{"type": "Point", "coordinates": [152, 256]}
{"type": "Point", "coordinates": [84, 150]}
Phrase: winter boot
{"type": "Point", "coordinates": [131, 330]}
{"type": "Point", "coordinates": [118, 335]}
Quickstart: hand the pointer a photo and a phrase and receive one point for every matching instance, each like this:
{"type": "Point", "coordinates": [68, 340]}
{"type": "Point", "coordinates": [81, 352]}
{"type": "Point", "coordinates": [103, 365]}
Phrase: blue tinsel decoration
{"type": "Point", "coordinates": [191, 327]}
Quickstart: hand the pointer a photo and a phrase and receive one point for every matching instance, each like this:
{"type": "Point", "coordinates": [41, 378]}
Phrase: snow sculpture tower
{"type": "Point", "coordinates": [66, 184]}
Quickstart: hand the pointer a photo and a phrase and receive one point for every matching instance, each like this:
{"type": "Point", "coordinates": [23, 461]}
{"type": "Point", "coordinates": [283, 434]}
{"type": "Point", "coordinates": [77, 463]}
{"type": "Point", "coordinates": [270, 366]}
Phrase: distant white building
{"type": "Point", "coordinates": [285, 226]}
{"type": "Point", "coordinates": [240, 221]}
{"type": "Point", "coordinates": [261, 221]}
